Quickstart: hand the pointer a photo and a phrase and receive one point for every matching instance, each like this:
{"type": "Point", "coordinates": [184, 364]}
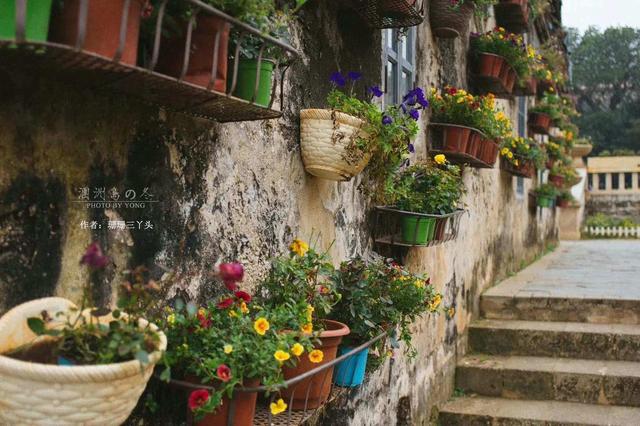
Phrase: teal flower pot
{"type": "Point", "coordinates": [544, 202]}
{"type": "Point", "coordinates": [246, 82]}
{"type": "Point", "coordinates": [36, 25]}
{"type": "Point", "coordinates": [417, 229]}
{"type": "Point", "coordinates": [350, 372]}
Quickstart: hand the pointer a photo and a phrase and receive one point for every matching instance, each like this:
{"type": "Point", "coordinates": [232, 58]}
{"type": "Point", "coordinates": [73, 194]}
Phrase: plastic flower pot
{"type": "Point", "coordinates": [246, 83]}
{"type": "Point", "coordinates": [103, 27]}
{"type": "Point", "coordinates": [556, 180]}
{"type": "Point", "coordinates": [203, 42]}
{"type": "Point", "coordinates": [36, 24]}
{"type": "Point", "coordinates": [324, 138]}
{"type": "Point", "coordinates": [417, 230]}
{"type": "Point", "coordinates": [544, 202]}
{"type": "Point", "coordinates": [455, 138]}
{"type": "Point", "coordinates": [529, 88]}
{"type": "Point", "coordinates": [46, 394]}
{"type": "Point", "coordinates": [473, 148]}
{"type": "Point", "coordinates": [350, 372]}
{"type": "Point", "coordinates": [244, 408]}
{"type": "Point", "coordinates": [489, 65]}
{"type": "Point", "coordinates": [449, 22]}
{"type": "Point", "coordinates": [489, 151]}
{"type": "Point", "coordinates": [539, 122]}
{"type": "Point", "coordinates": [315, 390]}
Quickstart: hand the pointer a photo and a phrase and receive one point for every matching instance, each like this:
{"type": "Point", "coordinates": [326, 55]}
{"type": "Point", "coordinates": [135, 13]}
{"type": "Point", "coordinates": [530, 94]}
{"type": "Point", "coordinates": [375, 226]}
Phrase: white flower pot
{"type": "Point", "coordinates": [42, 394]}
{"type": "Point", "coordinates": [324, 137]}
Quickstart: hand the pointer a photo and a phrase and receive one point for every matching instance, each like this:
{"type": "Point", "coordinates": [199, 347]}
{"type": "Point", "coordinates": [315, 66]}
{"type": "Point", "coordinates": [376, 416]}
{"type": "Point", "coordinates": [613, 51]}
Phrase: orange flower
{"type": "Point", "coordinates": [307, 328]}
{"type": "Point", "coordinates": [261, 325]}
{"type": "Point", "coordinates": [316, 356]}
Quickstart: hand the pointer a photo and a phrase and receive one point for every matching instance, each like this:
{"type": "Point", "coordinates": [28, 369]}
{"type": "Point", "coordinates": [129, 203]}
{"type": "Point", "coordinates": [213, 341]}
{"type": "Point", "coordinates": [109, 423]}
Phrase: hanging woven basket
{"type": "Point", "coordinates": [324, 137]}
{"type": "Point", "coordinates": [447, 21]}
{"type": "Point", "coordinates": [42, 394]}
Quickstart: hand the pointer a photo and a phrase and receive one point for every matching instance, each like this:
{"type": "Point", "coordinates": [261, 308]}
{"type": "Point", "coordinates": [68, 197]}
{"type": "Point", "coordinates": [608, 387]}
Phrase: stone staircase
{"type": "Point", "coordinates": [536, 360]}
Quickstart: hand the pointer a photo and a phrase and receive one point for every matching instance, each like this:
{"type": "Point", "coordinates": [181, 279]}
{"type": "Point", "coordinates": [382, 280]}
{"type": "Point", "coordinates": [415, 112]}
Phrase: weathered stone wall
{"type": "Point", "coordinates": [615, 205]}
{"type": "Point", "coordinates": [239, 192]}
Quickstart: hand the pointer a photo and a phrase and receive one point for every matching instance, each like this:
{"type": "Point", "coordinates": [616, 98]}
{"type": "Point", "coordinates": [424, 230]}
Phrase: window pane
{"type": "Point", "coordinates": [520, 185]}
{"type": "Point", "coordinates": [615, 181]}
{"type": "Point", "coordinates": [406, 83]}
{"type": "Point", "coordinates": [522, 116]}
{"type": "Point", "coordinates": [602, 181]}
{"type": "Point", "coordinates": [407, 47]}
{"type": "Point", "coordinates": [590, 184]}
{"type": "Point", "coordinates": [392, 39]}
{"type": "Point", "coordinates": [390, 86]}
{"type": "Point", "coordinates": [628, 180]}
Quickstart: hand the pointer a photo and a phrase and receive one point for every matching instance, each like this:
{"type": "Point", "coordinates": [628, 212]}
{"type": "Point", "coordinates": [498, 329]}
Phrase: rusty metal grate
{"type": "Point", "coordinates": [75, 65]}
{"type": "Point", "coordinates": [390, 13]}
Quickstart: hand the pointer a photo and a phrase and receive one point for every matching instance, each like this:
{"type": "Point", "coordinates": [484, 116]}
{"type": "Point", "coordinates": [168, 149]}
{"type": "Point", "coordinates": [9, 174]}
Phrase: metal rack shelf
{"type": "Point", "coordinates": [390, 13]}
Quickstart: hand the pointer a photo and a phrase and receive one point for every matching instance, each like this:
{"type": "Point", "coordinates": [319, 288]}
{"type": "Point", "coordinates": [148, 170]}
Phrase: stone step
{"type": "Point", "coordinates": [484, 411]}
{"type": "Point", "coordinates": [537, 307]}
{"type": "Point", "coordinates": [559, 379]}
{"type": "Point", "coordinates": [618, 342]}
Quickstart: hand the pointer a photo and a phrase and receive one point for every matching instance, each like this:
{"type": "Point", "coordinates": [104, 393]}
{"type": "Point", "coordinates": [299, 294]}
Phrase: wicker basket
{"type": "Point", "coordinates": [324, 136]}
{"type": "Point", "coordinates": [42, 394]}
{"type": "Point", "coordinates": [447, 22]}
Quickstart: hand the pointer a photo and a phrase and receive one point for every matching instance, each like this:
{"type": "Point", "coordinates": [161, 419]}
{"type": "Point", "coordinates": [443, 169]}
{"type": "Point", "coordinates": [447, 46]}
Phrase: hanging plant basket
{"type": "Point", "coordinates": [462, 145]}
{"type": "Point", "coordinates": [556, 180]}
{"type": "Point", "coordinates": [545, 86]}
{"type": "Point", "coordinates": [539, 122]}
{"type": "Point", "coordinates": [44, 394]}
{"type": "Point", "coordinates": [492, 74]}
{"type": "Point", "coordinates": [449, 22]}
{"type": "Point", "coordinates": [530, 88]}
{"type": "Point", "coordinates": [324, 137]}
{"type": "Point", "coordinates": [390, 13]}
{"type": "Point", "coordinates": [513, 15]}
{"type": "Point", "coordinates": [525, 168]}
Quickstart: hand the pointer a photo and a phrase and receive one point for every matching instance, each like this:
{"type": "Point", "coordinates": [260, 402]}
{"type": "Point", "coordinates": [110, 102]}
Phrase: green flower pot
{"type": "Point", "coordinates": [417, 229]}
{"type": "Point", "coordinates": [544, 202]}
{"type": "Point", "coordinates": [37, 24]}
{"type": "Point", "coordinates": [246, 83]}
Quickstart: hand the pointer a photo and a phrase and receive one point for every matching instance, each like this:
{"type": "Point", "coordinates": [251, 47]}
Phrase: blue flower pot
{"type": "Point", "coordinates": [350, 372]}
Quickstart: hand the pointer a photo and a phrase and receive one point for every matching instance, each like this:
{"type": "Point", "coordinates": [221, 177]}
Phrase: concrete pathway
{"type": "Point", "coordinates": [559, 343]}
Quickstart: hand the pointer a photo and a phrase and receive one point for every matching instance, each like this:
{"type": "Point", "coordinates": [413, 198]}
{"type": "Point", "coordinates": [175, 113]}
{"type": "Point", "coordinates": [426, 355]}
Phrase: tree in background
{"type": "Point", "coordinates": [606, 80]}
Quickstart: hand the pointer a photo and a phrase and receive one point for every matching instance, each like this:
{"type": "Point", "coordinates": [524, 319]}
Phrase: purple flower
{"type": "Point", "coordinates": [412, 148]}
{"type": "Point", "coordinates": [354, 76]}
{"type": "Point", "coordinates": [94, 258]}
{"type": "Point", "coordinates": [338, 79]}
{"type": "Point", "coordinates": [424, 103]}
{"type": "Point", "coordinates": [375, 91]}
{"type": "Point", "coordinates": [386, 120]}
{"type": "Point", "coordinates": [414, 113]}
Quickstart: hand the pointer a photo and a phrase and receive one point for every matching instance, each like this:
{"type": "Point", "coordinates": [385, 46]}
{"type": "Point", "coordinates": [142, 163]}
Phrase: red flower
{"type": "Point", "coordinates": [198, 398]}
{"type": "Point", "coordinates": [452, 90]}
{"type": "Point", "coordinates": [224, 373]}
{"type": "Point", "coordinates": [225, 303]}
{"type": "Point", "coordinates": [94, 258]}
{"type": "Point", "coordinates": [243, 295]}
{"type": "Point", "coordinates": [231, 273]}
{"type": "Point", "coordinates": [205, 322]}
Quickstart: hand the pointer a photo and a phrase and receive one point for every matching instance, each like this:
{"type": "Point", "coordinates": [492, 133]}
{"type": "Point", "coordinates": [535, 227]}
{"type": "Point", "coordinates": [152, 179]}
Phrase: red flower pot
{"type": "Point", "coordinates": [489, 151]}
{"type": "Point", "coordinates": [545, 86]}
{"type": "Point", "coordinates": [556, 180]}
{"type": "Point", "coordinates": [473, 148]}
{"type": "Point", "coordinates": [489, 65]}
{"type": "Point", "coordinates": [510, 81]}
{"type": "Point", "coordinates": [244, 408]}
{"type": "Point", "coordinates": [103, 27]}
{"type": "Point", "coordinates": [513, 15]}
{"type": "Point", "coordinates": [317, 387]}
{"type": "Point", "coordinates": [456, 138]}
{"type": "Point", "coordinates": [203, 37]}
{"type": "Point", "coordinates": [539, 122]}
{"type": "Point", "coordinates": [562, 203]}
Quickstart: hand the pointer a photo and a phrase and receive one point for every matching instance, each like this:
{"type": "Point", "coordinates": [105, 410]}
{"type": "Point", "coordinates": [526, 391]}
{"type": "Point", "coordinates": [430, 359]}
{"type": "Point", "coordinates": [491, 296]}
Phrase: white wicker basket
{"type": "Point", "coordinates": [324, 135]}
{"type": "Point", "coordinates": [41, 394]}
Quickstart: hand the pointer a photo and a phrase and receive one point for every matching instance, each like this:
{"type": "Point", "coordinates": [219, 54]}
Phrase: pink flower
{"type": "Point", "coordinates": [225, 303]}
{"type": "Point", "coordinates": [94, 258]}
{"type": "Point", "coordinates": [223, 372]}
{"type": "Point", "coordinates": [246, 297]}
{"type": "Point", "coordinates": [198, 398]}
{"type": "Point", "coordinates": [231, 273]}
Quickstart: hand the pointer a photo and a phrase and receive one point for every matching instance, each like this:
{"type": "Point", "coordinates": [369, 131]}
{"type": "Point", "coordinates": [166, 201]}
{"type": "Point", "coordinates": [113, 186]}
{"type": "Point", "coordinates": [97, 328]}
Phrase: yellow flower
{"type": "Point", "coordinates": [510, 155]}
{"type": "Point", "coordinates": [437, 299]}
{"type": "Point", "coordinates": [281, 356]}
{"type": "Point", "coordinates": [297, 349]}
{"type": "Point", "coordinates": [500, 115]}
{"type": "Point", "coordinates": [504, 151]}
{"type": "Point", "coordinates": [299, 247]}
{"type": "Point", "coordinates": [419, 283]}
{"type": "Point", "coordinates": [502, 30]}
{"type": "Point", "coordinates": [228, 349]}
{"type": "Point", "coordinates": [440, 159]}
{"type": "Point", "coordinates": [307, 328]}
{"type": "Point", "coordinates": [516, 163]}
{"type": "Point", "coordinates": [171, 319]}
{"type": "Point", "coordinates": [278, 407]}
{"type": "Point", "coordinates": [310, 310]}
{"type": "Point", "coordinates": [243, 308]}
{"type": "Point", "coordinates": [316, 356]}
{"type": "Point", "coordinates": [233, 314]}
{"type": "Point", "coordinates": [451, 312]}
{"type": "Point", "coordinates": [261, 325]}
{"type": "Point", "coordinates": [569, 136]}
{"type": "Point", "coordinates": [549, 76]}
{"type": "Point", "coordinates": [460, 100]}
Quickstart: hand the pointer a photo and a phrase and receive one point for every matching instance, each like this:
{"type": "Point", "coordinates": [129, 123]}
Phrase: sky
{"type": "Point", "coordinates": [582, 14]}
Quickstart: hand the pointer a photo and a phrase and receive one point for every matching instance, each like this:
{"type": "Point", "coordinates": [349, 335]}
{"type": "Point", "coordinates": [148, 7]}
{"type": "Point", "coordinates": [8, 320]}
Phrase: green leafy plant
{"type": "Point", "coordinates": [546, 190]}
{"type": "Point", "coordinates": [518, 150]}
{"type": "Point", "coordinates": [481, 6]}
{"type": "Point", "coordinates": [549, 104]}
{"type": "Point", "coordinates": [90, 336]}
{"type": "Point", "coordinates": [565, 195]}
{"type": "Point", "coordinates": [427, 187]}
{"type": "Point", "coordinates": [382, 297]}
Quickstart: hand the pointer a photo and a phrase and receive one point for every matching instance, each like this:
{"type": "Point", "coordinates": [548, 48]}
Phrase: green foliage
{"type": "Point", "coordinates": [379, 297]}
{"type": "Point", "coordinates": [565, 195]}
{"type": "Point", "coordinates": [546, 190]}
{"type": "Point", "coordinates": [602, 220]}
{"type": "Point", "coordinates": [523, 149]}
{"type": "Point", "coordinates": [427, 188]}
{"type": "Point", "coordinates": [481, 6]}
{"type": "Point", "coordinates": [549, 104]}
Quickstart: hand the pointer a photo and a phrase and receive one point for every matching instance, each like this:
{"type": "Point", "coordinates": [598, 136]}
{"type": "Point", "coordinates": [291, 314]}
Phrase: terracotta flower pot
{"type": "Point", "coordinates": [556, 180]}
{"type": "Point", "coordinates": [539, 122]}
{"type": "Point", "coordinates": [489, 151]}
{"type": "Point", "coordinates": [562, 203]}
{"type": "Point", "coordinates": [203, 37]}
{"type": "Point", "coordinates": [512, 15]}
{"type": "Point", "coordinates": [489, 65]}
{"type": "Point", "coordinates": [318, 387]}
{"type": "Point", "coordinates": [244, 408]}
{"type": "Point", "coordinates": [447, 22]}
{"type": "Point", "coordinates": [474, 147]}
{"type": "Point", "coordinates": [530, 88]}
{"type": "Point", "coordinates": [103, 27]}
{"type": "Point", "coordinates": [456, 139]}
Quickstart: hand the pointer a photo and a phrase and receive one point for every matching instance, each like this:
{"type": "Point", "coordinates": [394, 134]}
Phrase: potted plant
{"type": "Point", "coordinates": [565, 198]}
{"type": "Point", "coordinates": [229, 344]}
{"type": "Point", "coordinates": [36, 20]}
{"type": "Point", "coordinates": [502, 56]}
{"type": "Point", "coordinates": [428, 188]}
{"type": "Point", "coordinates": [545, 195]}
{"type": "Point", "coordinates": [522, 156]}
{"type": "Point", "coordinates": [304, 277]}
{"type": "Point", "coordinates": [378, 297]}
{"type": "Point", "coordinates": [338, 143]}
{"type": "Point", "coordinates": [555, 152]}
{"type": "Point", "coordinates": [85, 355]}
{"type": "Point", "coordinates": [542, 114]}
{"type": "Point", "coordinates": [556, 175]}
{"type": "Point", "coordinates": [103, 22]}
{"type": "Point", "coordinates": [513, 15]}
{"type": "Point", "coordinates": [450, 18]}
